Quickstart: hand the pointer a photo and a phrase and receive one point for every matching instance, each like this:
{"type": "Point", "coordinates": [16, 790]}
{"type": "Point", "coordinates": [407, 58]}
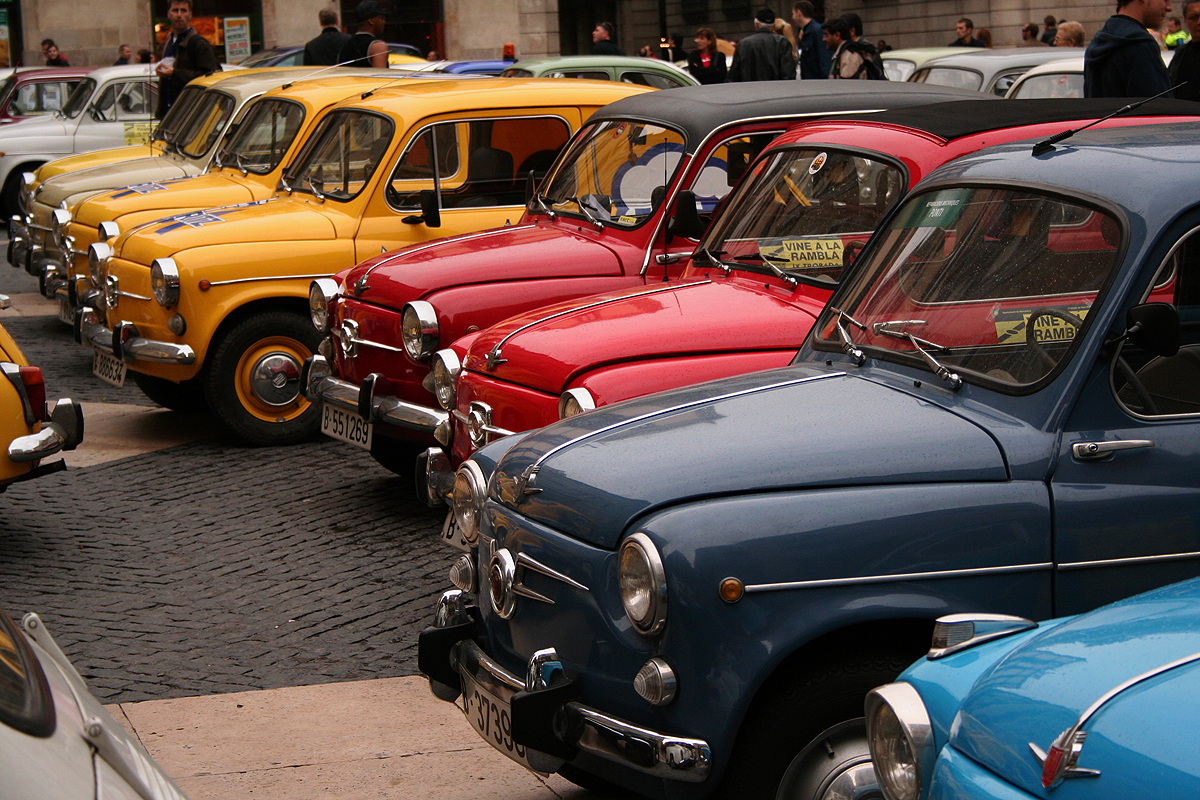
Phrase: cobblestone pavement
{"type": "Point", "coordinates": [214, 567]}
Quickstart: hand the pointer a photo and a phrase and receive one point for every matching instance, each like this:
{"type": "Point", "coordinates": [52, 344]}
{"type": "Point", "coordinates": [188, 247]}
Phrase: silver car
{"type": "Point", "coordinates": [991, 71]}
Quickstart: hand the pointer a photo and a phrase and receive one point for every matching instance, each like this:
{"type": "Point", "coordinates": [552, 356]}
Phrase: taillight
{"type": "Point", "coordinates": [35, 390]}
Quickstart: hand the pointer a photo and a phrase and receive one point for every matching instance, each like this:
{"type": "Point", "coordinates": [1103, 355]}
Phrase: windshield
{"type": "Point", "coordinates": [264, 136]}
{"type": "Point", "coordinates": [805, 210]}
{"type": "Point", "coordinates": [205, 125]}
{"type": "Point", "coordinates": [950, 76]}
{"type": "Point", "coordinates": [183, 106]}
{"type": "Point", "coordinates": [344, 154]}
{"type": "Point", "coordinates": [966, 273]}
{"type": "Point", "coordinates": [79, 98]}
{"type": "Point", "coordinates": [617, 173]}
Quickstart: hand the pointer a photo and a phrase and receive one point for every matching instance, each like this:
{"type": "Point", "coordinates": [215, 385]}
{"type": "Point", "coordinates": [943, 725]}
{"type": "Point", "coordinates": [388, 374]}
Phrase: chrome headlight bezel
{"type": "Point", "coordinates": [99, 255]}
{"type": "Point", "coordinates": [575, 401]}
{"type": "Point", "coordinates": [643, 583]}
{"type": "Point", "coordinates": [444, 373]}
{"type": "Point", "coordinates": [61, 218]}
{"type": "Point", "coordinates": [900, 737]}
{"type": "Point", "coordinates": [467, 499]}
{"type": "Point", "coordinates": [164, 281]}
{"type": "Point", "coordinates": [108, 230]}
{"type": "Point", "coordinates": [321, 294]}
{"type": "Point", "coordinates": [419, 330]}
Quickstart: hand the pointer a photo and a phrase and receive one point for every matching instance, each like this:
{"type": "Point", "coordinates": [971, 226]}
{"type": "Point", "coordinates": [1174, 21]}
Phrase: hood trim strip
{"type": "Point", "coordinates": [270, 278]}
{"type": "Point", "coordinates": [467, 237]}
{"type": "Point", "coordinates": [908, 576]}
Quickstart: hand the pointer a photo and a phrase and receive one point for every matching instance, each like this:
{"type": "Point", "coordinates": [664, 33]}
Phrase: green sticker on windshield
{"type": "Point", "coordinates": [936, 210]}
{"type": "Point", "coordinates": [803, 253]}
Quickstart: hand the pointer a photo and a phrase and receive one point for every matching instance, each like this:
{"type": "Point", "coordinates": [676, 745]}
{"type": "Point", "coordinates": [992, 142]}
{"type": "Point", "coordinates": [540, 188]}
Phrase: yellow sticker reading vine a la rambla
{"type": "Point", "coordinates": [806, 253]}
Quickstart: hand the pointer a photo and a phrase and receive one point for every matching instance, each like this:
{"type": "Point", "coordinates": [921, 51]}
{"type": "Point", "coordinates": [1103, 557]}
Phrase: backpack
{"type": "Point", "coordinates": [872, 64]}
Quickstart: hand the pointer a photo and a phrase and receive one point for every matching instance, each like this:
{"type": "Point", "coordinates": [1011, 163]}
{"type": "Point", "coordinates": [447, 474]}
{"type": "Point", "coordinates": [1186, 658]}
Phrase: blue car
{"type": "Point", "coordinates": [1100, 706]}
{"type": "Point", "coordinates": [690, 594]}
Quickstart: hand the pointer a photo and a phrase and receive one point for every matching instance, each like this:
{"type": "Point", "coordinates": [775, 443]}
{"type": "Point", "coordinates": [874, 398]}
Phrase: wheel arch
{"type": "Point", "coordinates": [252, 308]}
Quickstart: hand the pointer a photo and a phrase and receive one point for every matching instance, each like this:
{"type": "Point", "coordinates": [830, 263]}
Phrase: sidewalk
{"type": "Point", "coordinates": [387, 738]}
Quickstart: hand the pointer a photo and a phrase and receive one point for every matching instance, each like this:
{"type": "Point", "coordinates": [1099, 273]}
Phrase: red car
{"type": "Point", "coordinates": [37, 91]}
{"type": "Point", "coordinates": [621, 208]}
{"type": "Point", "coordinates": [759, 278]}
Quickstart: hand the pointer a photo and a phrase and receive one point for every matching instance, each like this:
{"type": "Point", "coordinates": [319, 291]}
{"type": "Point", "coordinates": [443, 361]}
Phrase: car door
{"type": "Point", "coordinates": [1128, 520]}
{"type": "Point", "coordinates": [120, 113]}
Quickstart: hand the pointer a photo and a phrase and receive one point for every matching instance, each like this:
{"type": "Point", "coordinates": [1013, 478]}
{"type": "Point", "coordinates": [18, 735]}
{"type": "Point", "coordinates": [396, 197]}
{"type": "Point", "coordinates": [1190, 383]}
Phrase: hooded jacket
{"type": "Point", "coordinates": [1123, 61]}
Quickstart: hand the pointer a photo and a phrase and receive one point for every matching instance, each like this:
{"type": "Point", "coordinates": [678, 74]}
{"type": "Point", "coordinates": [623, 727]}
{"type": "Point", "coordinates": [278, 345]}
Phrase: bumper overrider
{"type": "Point", "coordinates": [320, 386]}
{"type": "Point", "coordinates": [548, 726]}
{"type": "Point", "coordinates": [124, 342]}
{"type": "Point", "coordinates": [64, 431]}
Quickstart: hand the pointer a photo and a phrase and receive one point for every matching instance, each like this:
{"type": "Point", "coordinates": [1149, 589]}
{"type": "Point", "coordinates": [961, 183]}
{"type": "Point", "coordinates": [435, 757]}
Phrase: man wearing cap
{"type": "Point", "coordinates": [763, 55]}
{"type": "Point", "coordinates": [365, 48]}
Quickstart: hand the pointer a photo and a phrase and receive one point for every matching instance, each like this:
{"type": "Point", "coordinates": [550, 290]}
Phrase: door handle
{"type": "Point", "coordinates": [1094, 451]}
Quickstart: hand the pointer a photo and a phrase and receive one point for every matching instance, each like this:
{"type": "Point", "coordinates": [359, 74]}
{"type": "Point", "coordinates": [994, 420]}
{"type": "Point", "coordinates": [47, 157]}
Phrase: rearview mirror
{"type": "Point", "coordinates": [1154, 327]}
{"type": "Point", "coordinates": [686, 220]}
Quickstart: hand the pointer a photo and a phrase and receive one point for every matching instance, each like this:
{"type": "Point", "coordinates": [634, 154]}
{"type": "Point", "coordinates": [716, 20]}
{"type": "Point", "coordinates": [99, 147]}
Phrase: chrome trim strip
{"type": "Point", "coordinates": [271, 278]}
{"type": "Point", "coordinates": [907, 576]}
{"type": "Point", "coordinates": [530, 563]}
{"type": "Point", "coordinates": [1118, 562]}
{"type": "Point", "coordinates": [133, 296]}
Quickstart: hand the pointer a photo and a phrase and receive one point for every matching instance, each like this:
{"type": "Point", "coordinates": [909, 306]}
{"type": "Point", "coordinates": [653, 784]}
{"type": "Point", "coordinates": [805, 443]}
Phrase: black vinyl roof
{"type": "Point", "coordinates": [954, 120]}
{"type": "Point", "coordinates": [699, 110]}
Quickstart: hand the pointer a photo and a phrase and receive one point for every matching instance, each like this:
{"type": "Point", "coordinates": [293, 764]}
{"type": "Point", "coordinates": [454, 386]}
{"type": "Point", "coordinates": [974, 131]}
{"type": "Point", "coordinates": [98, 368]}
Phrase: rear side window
{"type": "Point", "coordinates": [651, 79]}
{"type": "Point", "coordinates": [949, 76]}
{"type": "Point", "coordinates": [25, 700]}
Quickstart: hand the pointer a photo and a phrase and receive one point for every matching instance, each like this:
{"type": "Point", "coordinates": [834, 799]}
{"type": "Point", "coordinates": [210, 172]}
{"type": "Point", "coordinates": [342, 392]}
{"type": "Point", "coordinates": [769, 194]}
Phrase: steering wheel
{"type": "Point", "coordinates": [850, 252]}
{"type": "Point", "coordinates": [1031, 340]}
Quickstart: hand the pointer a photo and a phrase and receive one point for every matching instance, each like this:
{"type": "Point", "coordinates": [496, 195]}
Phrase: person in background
{"type": "Point", "coordinates": [1175, 35]}
{"type": "Point", "coordinates": [707, 63]}
{"type": "Point", "coordinates": [964, 30]}
{"type": "Point", "coordinates": [1051, 31]}
{"type": "Point", "coordinates": [145, 56]}
{"type": "Point", "coordinates": [124, 55]}
{"type": "Point", "coordinates": [324, 48]}
{"type": "Point", "coordinates": [856, 36]}
{"type": "Point", "coordinates": [604, 40]}
{"type": "Point", "coordinates": [54, 58]}
{"type": "Point", "coordinates": [190, 56]}
{"type": "Point", "coordinates": [365, 48]}
{"type": "Point", "coordinates": [763, 55]}
{"type": "Point", "coordinates": [814, 58]}
{"type": "Point", "coordinates": [1069, 34]}
{"type": "Point", "coordinates": [851, 60]}
{"type": "Point", "coordinates": [677, 52]}
{"type": "Point", "coordinates": [1123, 59]}
{"type": "Point", "coordinates": [1185, 66]}
{"type": "Point", "coordinates": [1029, 36]}
{"type": "Point", "coordinates": [646, 51]}
{"type": "Point", "coordinates": [883, 46]}
{"type": "Point", "coordinates": [985, 36]}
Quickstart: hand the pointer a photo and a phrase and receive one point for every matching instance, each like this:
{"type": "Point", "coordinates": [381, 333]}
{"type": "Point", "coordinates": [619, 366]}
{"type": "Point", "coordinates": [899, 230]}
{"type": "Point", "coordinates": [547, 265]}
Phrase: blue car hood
{"type": "Point", "coordinates": [1142, 740]}
{"type": "Point", "coordinates": [792, 428]}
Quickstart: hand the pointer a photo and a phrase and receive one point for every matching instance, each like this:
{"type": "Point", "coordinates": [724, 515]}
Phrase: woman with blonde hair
{"type": "Point", "coordinates": [1069, 34]}
{"type": "Point", "coordinates": [707, 64]}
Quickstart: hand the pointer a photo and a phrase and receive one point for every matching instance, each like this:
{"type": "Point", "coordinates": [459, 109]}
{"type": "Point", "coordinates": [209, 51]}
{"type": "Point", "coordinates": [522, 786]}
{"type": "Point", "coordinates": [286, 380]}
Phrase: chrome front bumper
{"type": "Point", "coordinates": [124, 342]}
{"type": "Point", "coordinates": [64, 431]}
{"type": "Point", "coordinates": [545, 719]}
{"type": "Point", "coordinates": [319, 386]}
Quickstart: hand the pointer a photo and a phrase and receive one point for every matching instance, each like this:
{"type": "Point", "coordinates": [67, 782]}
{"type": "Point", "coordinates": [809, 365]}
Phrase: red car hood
{"type": "Point", "coordinates": [543, 349]}
{"type": "Point", "coordinates": [511, 253]}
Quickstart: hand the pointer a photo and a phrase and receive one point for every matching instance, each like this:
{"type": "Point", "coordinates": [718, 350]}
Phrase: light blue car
{"type": "Point", "coordinates": [1102, 706]}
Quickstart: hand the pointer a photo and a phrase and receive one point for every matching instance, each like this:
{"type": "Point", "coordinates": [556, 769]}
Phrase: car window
{"type": "Point", "coordinates": [205, 124]}
{"type": "Point", "coordinates": [126, 100]}
{"type": "Point", "coordinates": [79, 98]}
{"type": "Point", "coordinates": [295, 59]}
{"type": "Point", "coordinates": [897, 69]}
{"type": "Point", "coordinates": [1004, 81]}
{"type": "Point", "coordinates": [652, 79]}
{"type": "Point", "coordinates": [726, 164]}
{"type": "Point", "coordinates": [587, 75]}
{"type": "Point", "coordinates": [1050, 86]}
{"type": "Point", "coordinates": [44, 97]}
{"type": "Point", "coordinates": [264, 136]}
{"type": "Point", "coordinates": [177, 116]}
{"type": "Point", "coordinates": [343, 155]}
{"type": "Point", "coordinates": [949, 76]}
{"type": "Point", "coordinates": [513, 72]}
{"type": "Point", "coordinates": [479, 163]}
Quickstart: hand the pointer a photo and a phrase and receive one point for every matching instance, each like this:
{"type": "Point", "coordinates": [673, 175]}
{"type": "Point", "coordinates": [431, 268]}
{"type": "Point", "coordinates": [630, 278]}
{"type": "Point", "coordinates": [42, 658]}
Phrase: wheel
{"type": "Point", "coordinates": [252, 378]}
{"type": "Point", "coordinates": [187, 396]}
{"type": "Point", "coordinates": [10, 196]}
{"type": "Point", "coordinates": [396, 455]}
{"type": "Point", "coordinates": [804, 738]}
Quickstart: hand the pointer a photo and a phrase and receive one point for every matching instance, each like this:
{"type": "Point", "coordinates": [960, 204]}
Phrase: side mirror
{"type": "Point", "coordinates": [530, 187]}
{"type": "Point", "coordinates": [430, 214]}
{"type": "Point", "coordinates": [1154, 327]}
{"type": "Point", "coordinates": [686, 220]}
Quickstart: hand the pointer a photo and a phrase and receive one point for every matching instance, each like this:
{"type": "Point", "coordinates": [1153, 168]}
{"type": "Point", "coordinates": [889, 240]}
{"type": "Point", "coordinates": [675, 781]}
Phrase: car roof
{"type": "Point", "coordinates": [918, 55]}
{"type": "Point", "coordinates": [417, 98]}
{"type": "Point", "coordinates": [244, 83]}
{"type": "Point", "coordinates": [47, 73]}
{"type": "Point", "coordinates": [993, 60]}
{"type": "Point", "coordinates": [320, 92]}
{"type": "Point", "coordinates": [123, 71]}
{"type": "Point", "coordinates": [699, 110]}
{"type": "Point", "coordinates": [577, 62]}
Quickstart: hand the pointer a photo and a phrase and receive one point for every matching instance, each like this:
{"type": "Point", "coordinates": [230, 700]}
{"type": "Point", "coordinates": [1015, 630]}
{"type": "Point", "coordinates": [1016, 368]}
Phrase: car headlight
{"type": "Point", "coordinates": [321, 293]}
{"type": "Point", "coordinates": [643, 583]}
{"type": "Point", "coordinates": [575, 401]}
{"type": "Point", "coordinates": [58, 227]}
{"type": "Point", "coordinates": [467, 498]}
{"type": "Point", "coordinates": [108, 230]}
{"type": "Point", "coordinates": [98, 255]}
{"type": "Point", "coordinates": [445, 369]}
{"type": "Point", "coordinates": [164, 281]}
{"type": "Point", "coordinates": [419, 330]}
{"type": "Point", "coordinates": [901, 740]}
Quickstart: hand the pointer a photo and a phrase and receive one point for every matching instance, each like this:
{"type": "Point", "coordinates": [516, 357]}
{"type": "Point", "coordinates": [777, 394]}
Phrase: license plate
{"type": "Point", "coordinates": [452, 536]}
{"type": "Point", "coordinates": [345, 426]}
{"type": "Point", "coordinates": [65, 311]}
{"type": "Point", "coordinates": [491, 718]}
{"type": "Point", "coordinates": [109, 369]}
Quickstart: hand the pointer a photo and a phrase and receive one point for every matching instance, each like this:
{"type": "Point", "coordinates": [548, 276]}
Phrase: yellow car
{"type": "Point", "coordinates": [216, 302]}
{"type": "Point", "coordinates": [32, 428]}
{"type": "Point", "coordinates": [247, 167]}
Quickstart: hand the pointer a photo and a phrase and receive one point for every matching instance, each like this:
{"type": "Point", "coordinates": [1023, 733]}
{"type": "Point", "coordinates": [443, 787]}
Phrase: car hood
{"type": "Point", "coordinates": [201, 191]}
{"type": "Point", "coordinates": [511, 253]}
{"type": "Point", "coordinates": [1041, 688]}
{"type": "Point", "coordinates": [784, 429]}
{"type": "Point", "coordinates": [259, 222]}
{"type": "Point", "coordinates": [107, 176]}
{"type": "Point", "coordinates": [544, 348]}
{"type": "Point", "coordinates": [24, 136]}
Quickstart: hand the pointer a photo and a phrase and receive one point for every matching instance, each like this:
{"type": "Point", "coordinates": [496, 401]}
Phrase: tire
{"type": "Point", "coordinates": [266, 408]}
{"type": "Point", "coordinates": [186, 397]}
{"type": "Point", "coordinates": [10, 196]}
{"type": "Point", "coordinates": [805, 738]}
{"type": "Point", "coordinates": [396, 455]}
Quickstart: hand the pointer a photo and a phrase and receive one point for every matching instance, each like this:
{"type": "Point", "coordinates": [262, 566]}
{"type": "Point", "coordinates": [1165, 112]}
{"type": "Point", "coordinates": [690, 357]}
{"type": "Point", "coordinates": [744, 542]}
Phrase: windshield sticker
{"type": "Point", "coordinates": [138, 132]}
{"type": "Point", "coordinates": [1012, 324]}
{"type": "Point", "coordinates": [804, 253]}
{"type": "Point", "coordinates": [939, 209]}
{"type": "Point", "coordinates": [619, 131]}
{"type": "Point", "coordinates": [817, 163]}
{"type": "Point", "coordinates": [627, 220]}
{"type": "Point", "coordinates": [198, 219]}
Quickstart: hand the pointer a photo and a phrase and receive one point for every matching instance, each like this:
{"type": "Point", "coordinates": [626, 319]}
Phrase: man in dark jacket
{"type": "Point", "coordinates": [815, 58]}
{"type": "Point", "coordinates": [1185, 66]}
{"type": "Point", "coordinates": [1123, 60]}
{"type": "Point", "coordinates": [324, 49]}
{"type": "Point", "coordinates": [190, 56]}
{"type": "Point", "coordinates": [604, 40]}
{"type": "Point", "coordinates": [763, 55]}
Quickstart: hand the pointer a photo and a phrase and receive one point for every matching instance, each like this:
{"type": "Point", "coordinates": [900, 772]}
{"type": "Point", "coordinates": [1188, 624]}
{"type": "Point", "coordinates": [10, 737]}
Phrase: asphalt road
{"type": "Point", "coordinates": [209, 566]}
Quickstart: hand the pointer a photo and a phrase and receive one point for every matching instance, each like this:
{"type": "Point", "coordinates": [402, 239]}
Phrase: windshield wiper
{"type": "Point", "coordinates": [712, 256]}
{"type": "Point", "coordinates": [312, 187]}
{"type": "Point", "coordinates": [848, 346]}
{"type": "Point", "coordinates": [587, 212]}
{"type": "Point", "coordinates": [546, 208]}
{"type": "Point", "coordinates": [889, 329]}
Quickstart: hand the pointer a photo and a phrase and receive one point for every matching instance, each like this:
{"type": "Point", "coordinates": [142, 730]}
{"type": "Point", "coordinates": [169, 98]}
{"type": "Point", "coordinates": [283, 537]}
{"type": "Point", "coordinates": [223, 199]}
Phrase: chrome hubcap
{"type": "Point", "coordinates": [835, 766]}
{"type": "Point", "coordinates": [275, 379]}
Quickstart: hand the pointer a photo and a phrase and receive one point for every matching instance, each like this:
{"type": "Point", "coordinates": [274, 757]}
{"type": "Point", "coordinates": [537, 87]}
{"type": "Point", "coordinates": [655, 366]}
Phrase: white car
{"type": "Point", "coordinates": [1057, 79]}
{"type": "Point", "coordinates": [57, 741]}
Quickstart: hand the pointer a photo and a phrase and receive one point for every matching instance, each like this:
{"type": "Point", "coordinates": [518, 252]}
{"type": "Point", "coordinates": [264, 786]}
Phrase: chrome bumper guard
{"type": "Point", "coordinates": [124, 343]}
{"type": "Point", "coordinates": [64, 431]}
{"type": "Point", "coordinates": [53, 276]}
{"type": "Point", "coordinates": [545, 719]}
{"type": "Point", "coordinates": [434, 464]}
{"type": "Point", "coordinates": [18, 241]}
{"type": "Point", "coordinates": [319, 385]}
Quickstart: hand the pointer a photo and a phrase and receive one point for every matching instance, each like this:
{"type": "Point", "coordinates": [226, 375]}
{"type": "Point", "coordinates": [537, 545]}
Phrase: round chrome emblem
{"type": "Point", "coordinates": [275, 379]}
{"type": "Point", "coordinates": [502, 573]}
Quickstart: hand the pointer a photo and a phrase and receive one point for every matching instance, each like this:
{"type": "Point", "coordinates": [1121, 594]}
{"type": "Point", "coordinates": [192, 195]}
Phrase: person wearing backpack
{"type": "Point", "coordinates": [851, 59]}
{"type": "Point", "coordinates": [187, 55]}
